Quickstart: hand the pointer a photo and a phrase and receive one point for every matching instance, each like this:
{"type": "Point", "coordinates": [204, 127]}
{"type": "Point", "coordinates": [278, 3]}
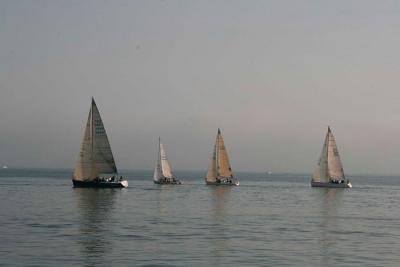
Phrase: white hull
{"type": "Point", "coordinates": [124, 183]}
{"type": "Point", "coordinates": [331, 185]}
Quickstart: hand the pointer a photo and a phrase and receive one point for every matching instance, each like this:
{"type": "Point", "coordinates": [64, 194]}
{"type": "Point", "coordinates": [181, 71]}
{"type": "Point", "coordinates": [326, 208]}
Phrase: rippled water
{"type": "Point", "coordinates": [269, 220]}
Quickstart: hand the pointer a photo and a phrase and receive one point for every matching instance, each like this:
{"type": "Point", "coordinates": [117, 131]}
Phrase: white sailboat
{"type": "Point", "coordinates": [329, 172]}
{"type": "Point", "coordinates": [219, 171]}
{"type": "Point", "coordinates": [95, 166]}
{"type": "Point", "coordinates": [162, 171]}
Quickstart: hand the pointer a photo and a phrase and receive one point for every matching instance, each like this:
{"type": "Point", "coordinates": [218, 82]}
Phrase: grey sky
{"type": "Point", "coordinates": [271, 74]}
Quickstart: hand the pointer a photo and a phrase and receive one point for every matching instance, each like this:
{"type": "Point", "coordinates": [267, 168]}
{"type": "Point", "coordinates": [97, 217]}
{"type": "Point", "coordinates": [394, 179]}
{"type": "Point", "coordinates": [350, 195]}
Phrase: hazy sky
{"type": "Point", "coordinates": [271, 74]}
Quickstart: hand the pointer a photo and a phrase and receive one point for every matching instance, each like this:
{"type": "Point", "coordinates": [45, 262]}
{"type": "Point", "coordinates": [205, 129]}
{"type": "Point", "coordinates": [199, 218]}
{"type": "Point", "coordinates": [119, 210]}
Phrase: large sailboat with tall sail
{"type": "Point", "coordinates": [219, 171]}
{"type": "Point", "coordinates": [329, 171]}
{"type": "Point", "coordinates": [95, 166]}
{"type": "Point", "coordinates": [162, 171]}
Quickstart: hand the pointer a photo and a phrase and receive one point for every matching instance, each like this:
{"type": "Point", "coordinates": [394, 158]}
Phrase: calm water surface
{"type": "Point", "coordinates": [269, 220]}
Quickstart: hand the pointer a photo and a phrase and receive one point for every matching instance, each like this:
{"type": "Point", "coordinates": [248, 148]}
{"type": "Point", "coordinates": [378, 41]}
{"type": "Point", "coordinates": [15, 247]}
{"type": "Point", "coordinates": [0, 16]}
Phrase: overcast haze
{"type": "Point", "coordinates": [271, 74]}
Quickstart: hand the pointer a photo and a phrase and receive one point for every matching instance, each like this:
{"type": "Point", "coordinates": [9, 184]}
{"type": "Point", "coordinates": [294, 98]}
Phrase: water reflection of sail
{"type": "Point", "coordinates": [163, 199]}
{"type": "Point", "coordinates": [95, 207]}
{"type": "Point", "coordinates": [330, 202]}
{"type": "Point", "coordinates": [220, 198]}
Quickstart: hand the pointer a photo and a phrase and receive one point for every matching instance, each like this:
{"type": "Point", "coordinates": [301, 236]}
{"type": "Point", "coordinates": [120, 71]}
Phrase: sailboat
{"type": "Point", "coordinates": [329, 172]}
{"type": "Point", "coordinates": [95, 166]}
{"type": "Point", "coordinates": [162, 171]}
{"type": "Point", "coordinates": [220, 172]}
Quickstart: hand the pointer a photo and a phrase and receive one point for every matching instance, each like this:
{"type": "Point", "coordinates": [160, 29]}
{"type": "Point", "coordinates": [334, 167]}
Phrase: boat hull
{"type": "Point", "coordinates": [168, 182]}
{"type": "Point", "coordinates": [96, 184]}
{"type": "Point", "coordinates": [331, 185]}
{"type": "Point", "coordinates": [234, 183]}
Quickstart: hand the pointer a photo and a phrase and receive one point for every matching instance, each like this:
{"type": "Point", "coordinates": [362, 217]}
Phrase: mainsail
{"type": "Point", "coordinates": [335, 165]}
{"type": "Point", "coordinates": [102, 150]}
{"type": "Point", "coordinates": [219, 165]}
{"type": "Point", "coordinates": [329, 164]}
{"type": "Point", "coordinates": [163, 168]}
{"type": "Point", "coordinates": [224, 168]}
{"type": "Point", "coordinates": [95, 156]}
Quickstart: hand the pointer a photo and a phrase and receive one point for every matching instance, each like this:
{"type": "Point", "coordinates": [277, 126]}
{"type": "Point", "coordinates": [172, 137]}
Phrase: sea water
{"type": "Point", "coordinates": [269, 220]}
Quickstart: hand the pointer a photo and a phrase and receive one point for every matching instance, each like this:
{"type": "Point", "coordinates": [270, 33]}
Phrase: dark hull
{"type": "Point", "coordinates": [234, 183]}
{"type": "Point", "coordinates": [94, 184]}
{"type": "Point", "coordinates": [167, 182]}
{"type": "Point", "coordinates": [331, 185]}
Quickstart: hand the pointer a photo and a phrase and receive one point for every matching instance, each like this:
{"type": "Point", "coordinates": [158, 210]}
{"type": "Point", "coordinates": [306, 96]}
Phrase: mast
{"type": "Point", "coordinates": [156, 175]}
{"type": "Point", "coordinates": [159, 166]}
{"type": "Point", "coordinates": [93, 156]}
{"type": "Point", "coordinates": [217, 153]}
{"type": "Point", "coordinates": [327, 154]}
{"type": "Point", "coordinates": [92, 128]}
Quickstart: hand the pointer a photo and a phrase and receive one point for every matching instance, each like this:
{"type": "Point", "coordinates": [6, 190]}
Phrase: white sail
{"type": "Point", "coordinates": [162, 169]}
{"type": "Point", "coordinates": [157, 170]}
{"type": "Point", "coordinates": [83, 167]}
{"type": "Point", "coordinates": [320, 173]}
{"type": "Point", "coordinates": [335, 168]}
{"type": "Point", "coordinates": [104, 159]}
{"type": "Point", "coordinates": [329, 164]}
{"type": "Point", "coordinates": [219, 164]}
{"type": "Point", "coordinates": [165, 168]}
{"type": "Point", "coordinates": [212, 174]}
{"type": "Point", "coordinates": [157, 175]}
{"type": "Point", "coordinates": [95, 156]}
{"type": "Point", "coordinates": [224, 168]}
